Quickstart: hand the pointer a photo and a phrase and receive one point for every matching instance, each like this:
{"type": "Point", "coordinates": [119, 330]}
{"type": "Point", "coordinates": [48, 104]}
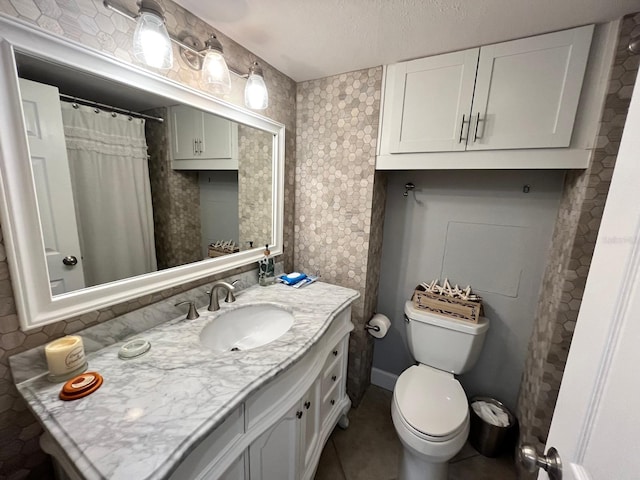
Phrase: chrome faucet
{"type": "Point", "coordinates": [213, 294]}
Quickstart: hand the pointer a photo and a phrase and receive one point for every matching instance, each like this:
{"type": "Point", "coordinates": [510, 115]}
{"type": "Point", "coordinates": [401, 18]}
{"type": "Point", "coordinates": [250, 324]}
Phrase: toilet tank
{"type": "Point", "coordinates": [441, 342]}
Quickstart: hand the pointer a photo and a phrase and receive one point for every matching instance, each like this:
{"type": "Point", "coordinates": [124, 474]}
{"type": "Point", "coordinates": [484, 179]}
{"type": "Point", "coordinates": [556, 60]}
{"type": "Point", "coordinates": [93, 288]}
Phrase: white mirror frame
{"type": "Point", "coordinates": [18, 210]}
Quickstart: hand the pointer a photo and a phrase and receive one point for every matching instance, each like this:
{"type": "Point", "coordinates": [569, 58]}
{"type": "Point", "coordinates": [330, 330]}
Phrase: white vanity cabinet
{"type": "Point", "coordinates": [279, 434]}
{"type": "Point", "coordinates": [201, 140]}
{"type": "Point", "coordinates": [278, 431]}
{"type": "Point", "coordinates": [520, 94]}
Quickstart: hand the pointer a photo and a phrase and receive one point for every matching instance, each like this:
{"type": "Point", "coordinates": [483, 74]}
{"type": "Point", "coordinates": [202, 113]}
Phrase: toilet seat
{"type": "Point", "coordinates": [431, 403]}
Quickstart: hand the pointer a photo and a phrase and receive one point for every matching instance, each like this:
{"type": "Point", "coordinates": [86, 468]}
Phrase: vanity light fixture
{"type": "Point", "coordinates": [215, 71]}
{"type": "Point", "coordinates": [151, 42]}
{"type": "Point", "coordinates": [152, 46]}
{"type": "Point", "coordinates": [209, 60]}
{"type": "Point", "coordinates": [256, 95]}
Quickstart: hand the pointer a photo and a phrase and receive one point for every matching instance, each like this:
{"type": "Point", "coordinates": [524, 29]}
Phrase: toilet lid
{"type": "Point", "coordinates": [431, 401]}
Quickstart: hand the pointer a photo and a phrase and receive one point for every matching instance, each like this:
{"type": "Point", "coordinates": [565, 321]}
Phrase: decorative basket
{"type": "Point", "coordinates": [467, 310]}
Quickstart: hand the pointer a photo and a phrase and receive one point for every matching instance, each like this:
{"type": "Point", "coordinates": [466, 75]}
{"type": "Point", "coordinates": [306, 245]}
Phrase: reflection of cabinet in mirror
{"type": "Point", "coordinates": [202, 141]}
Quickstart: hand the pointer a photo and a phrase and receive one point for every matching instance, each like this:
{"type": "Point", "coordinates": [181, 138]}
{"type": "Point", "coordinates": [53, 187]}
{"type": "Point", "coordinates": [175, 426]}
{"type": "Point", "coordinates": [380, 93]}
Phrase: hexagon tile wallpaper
{"type": "Point", "coordinates": [573, 243]}
{"type": "Point", "coordinates": [336, 136]}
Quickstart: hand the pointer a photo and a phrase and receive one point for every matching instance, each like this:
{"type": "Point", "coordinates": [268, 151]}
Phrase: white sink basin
{"type": "Point", "coordinates": [246, 328]}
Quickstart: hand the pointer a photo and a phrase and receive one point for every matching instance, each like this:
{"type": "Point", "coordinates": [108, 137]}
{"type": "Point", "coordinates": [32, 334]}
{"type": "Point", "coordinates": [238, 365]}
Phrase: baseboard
{"type": "Point", "coordinates": [383, 379]}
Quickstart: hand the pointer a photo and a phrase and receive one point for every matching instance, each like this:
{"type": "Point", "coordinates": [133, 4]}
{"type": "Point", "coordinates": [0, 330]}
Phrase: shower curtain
{"type": "Point", "coordinates": [112, 195]}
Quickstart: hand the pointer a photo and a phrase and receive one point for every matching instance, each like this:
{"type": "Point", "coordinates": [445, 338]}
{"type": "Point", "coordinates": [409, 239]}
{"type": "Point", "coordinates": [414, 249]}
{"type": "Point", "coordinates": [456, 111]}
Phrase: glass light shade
{"type": "Point", "coordinates": [151, 44]}
{"type": "Point", "coordinates": [256, 96]}
{"type": "Point", "coordinates": [215, 72]}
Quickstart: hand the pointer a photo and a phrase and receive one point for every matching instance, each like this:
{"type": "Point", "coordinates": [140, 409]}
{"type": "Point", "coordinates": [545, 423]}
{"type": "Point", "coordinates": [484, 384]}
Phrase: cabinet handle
{"type": "Point", "coordinates": [307, 405]}
{"type": "Point", "coordinates": [475, 134]}
{"type": "Point", "coordinates": [335, 353]}
{"type": "Point", "coordinates": [462, 127]}
{"type": "Point", "coordinates": [333, 402]}
{"type": "Point", "coordinates": [200, 146]}
{"type": "Point", "coordinates": [299, 414]}
{"type": "Point", "coordinates": [195, 147]}
{"type": "Point", "coordinates": [334, 378]}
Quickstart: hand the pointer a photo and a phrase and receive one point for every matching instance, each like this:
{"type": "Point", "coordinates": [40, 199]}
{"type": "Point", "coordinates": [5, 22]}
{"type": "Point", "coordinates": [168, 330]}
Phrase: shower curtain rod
{"type": "Point", "coordinates": [90, 103]}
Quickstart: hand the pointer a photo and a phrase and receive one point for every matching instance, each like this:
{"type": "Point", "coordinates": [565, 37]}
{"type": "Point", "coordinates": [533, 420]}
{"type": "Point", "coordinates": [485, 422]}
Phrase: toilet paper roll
{"type": "Point", "coordinates": [382, 322]}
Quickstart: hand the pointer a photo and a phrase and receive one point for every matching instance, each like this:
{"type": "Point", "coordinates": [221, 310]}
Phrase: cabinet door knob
{"type": "Point", "coordinates": [335, 353]}
{"type": "Point", "coordinates": [299, 414]}
{"type": "Point", "coordinates": [334, 378]}
{"type": "Point", "coordinates": [333, 402]}
{"type": "Point", "coordinates": [307, 405]}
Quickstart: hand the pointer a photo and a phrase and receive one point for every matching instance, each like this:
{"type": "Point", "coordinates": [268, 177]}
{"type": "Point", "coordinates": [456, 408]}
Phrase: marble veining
{"type": "Point", "coordinates": [152, 411]}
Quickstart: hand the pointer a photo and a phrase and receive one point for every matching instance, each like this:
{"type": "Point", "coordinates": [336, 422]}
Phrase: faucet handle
{"type": "Point", "coordinates": [193, 312]}
{"type": "Point", "coordinates": [230, 298]}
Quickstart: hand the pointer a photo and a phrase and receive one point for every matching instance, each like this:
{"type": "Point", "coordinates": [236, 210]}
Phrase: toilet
{"type": "Point", "coordinates": [430, 410]}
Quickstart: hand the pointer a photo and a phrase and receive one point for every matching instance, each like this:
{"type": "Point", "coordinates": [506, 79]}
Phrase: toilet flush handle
{"type": "Point", "coordinates": [406, 319]}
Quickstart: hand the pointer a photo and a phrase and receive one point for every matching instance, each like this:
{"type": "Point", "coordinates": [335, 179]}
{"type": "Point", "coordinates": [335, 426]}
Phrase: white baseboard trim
{"type": "Point", "coordinates": [383, 379]}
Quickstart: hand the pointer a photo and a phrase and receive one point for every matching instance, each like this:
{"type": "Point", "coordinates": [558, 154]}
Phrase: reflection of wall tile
{"type": "Point", "coordinates": [579, 216]}
{"type": "Point", "coordinates": [339, 206]}
{"type": "Point", "coordinates": [176, 200]}
{"type": "Point", "coordinates": [254, 186]}
{"type": "Point", "coordinates": [88, 22]}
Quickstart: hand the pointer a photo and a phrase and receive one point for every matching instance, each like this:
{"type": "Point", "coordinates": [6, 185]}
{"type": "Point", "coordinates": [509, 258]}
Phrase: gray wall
{"type": "Point", "coordinates": [218, 207]}
{"type": "Point", "coordinates": [478, 228]}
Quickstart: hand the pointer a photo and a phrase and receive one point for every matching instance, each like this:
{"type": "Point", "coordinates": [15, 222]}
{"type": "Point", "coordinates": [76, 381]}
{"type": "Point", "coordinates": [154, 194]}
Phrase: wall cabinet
{"type": "Point", "coordinates": [521, 94]}
{"type": "Point", "coordinates": [202, 141]}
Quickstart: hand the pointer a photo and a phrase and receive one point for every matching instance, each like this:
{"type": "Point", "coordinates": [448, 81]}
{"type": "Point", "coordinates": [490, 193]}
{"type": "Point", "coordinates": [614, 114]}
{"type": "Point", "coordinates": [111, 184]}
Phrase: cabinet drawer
{"type": "Point", "coordinates": [329, 402]}
{"type": "Point", "coordinates": [331, 377]}
{"type": "Point", "coordinates": [336, 353]}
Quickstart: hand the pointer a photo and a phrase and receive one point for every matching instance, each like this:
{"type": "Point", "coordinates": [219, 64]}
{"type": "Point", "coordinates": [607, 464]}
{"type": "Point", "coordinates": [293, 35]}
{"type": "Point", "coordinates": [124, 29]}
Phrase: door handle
{"type": "Point", "coordinates": [550, 463]}
{"type": "Point", "coordinates": [475, 134]}
{"type": "Point", "coordinates": [462, 128]}
{"type": "Point", "coordinates": [70, 261]}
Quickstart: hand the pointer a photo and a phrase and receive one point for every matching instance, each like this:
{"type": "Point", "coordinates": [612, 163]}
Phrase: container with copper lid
{"type": "Point", "coordinates": [81, 386]}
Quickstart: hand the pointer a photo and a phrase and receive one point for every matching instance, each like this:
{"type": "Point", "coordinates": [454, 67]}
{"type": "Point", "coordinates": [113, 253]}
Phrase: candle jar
{"type": "Point", "coordinates": [65, 358]}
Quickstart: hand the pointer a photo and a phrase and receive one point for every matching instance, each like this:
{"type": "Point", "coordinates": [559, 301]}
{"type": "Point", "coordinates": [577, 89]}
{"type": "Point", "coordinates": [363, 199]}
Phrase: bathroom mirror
{"type": "Point", "coordinates": [117, 182]}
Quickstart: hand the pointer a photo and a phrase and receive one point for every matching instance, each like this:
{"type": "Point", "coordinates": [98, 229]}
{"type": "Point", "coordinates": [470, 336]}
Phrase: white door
{"type": "Point", "coordinates": [274, 454]}
{"type": "Point", "coordinates": [527, 91]}
{"type": "Point", "coordinates": [596, 424]}
{"type": "Point", "coordinates": [48, 151]}
{"type": "Point", "coordinates": [217, 136]}
{"type": "Point", "coordinates": [186, 127]}
{"type": "Point", "coordinates": [310, 426]}
{"type": "Point", "coordinates": [430, 101]}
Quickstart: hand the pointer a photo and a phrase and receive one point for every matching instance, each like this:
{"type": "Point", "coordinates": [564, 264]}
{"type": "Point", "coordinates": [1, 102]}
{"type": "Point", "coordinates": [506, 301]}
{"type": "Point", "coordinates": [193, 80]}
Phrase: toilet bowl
{"type": "Point", "coordinates": [430, 413]}
{"type": "Point", "coordinates": [429, 410]}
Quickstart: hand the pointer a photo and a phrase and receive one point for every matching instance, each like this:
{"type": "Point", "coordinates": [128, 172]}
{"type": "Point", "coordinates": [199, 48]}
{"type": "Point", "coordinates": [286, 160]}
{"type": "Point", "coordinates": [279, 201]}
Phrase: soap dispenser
{"type": "Point", "coordinates": [266, 268]}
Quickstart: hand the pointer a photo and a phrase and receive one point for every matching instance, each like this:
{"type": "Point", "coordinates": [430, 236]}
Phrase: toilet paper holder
{"type": "Point", "coordinates": [375, 328]}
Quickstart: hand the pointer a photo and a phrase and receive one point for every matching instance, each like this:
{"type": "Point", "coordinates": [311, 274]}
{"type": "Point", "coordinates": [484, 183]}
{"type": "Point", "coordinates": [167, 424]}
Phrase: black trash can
{"type": "Point", "coordinates": [488, 439]}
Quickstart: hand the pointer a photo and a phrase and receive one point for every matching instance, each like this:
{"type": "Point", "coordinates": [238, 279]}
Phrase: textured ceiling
{"type": "Point", "coordinates": [309, 39]}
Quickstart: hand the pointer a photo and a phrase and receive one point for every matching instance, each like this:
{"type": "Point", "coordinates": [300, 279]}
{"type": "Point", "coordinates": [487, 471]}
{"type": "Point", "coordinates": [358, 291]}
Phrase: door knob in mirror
{"type": "Point", "coordinates": [70, 261]}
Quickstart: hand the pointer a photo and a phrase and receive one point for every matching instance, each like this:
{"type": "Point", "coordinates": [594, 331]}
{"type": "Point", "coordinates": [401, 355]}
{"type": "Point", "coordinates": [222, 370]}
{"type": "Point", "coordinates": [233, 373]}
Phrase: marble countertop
{"type": "Point", "coordinates": [152, 411]}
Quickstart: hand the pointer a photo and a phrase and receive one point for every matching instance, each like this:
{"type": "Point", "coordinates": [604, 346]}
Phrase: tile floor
{"type": "Point", "coordinates": [369, 449]}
